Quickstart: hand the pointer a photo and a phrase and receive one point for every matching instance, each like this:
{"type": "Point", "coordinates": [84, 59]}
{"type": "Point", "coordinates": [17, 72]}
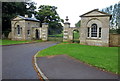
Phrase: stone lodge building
{"type": "Point", "coordinates": [24, 28]}
{"type": "Point", "coordinates": [94, 29]}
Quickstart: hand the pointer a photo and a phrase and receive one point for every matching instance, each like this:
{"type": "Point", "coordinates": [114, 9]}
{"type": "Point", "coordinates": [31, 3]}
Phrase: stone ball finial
{"type": "Point", "coordinates": [66, 18]}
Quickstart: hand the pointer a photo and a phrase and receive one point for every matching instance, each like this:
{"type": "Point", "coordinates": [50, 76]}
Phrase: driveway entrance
{"type": "Point", "coordinates": [17, 60]}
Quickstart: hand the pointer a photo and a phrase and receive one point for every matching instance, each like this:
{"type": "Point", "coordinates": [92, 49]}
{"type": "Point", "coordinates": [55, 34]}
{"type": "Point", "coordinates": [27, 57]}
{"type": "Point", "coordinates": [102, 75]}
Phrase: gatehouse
{"type": "Point", "coordinates": [94, 29]}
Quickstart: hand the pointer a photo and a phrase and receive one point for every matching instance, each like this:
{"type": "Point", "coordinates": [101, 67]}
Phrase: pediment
{"type": "Point", "coordinates": [95, 12]}
{"type": "Point", "coordinates": [17, 18]}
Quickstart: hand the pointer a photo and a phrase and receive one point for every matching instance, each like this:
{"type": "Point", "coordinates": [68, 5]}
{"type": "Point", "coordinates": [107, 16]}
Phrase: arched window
{"type": "Point", "coordinates": [18, 29]}
{"type": "Point", "coordinates": [94, 30]}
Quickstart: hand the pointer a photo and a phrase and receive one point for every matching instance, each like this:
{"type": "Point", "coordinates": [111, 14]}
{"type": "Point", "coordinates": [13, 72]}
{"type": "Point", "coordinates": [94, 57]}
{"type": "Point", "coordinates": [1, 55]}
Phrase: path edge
{"type": "Point", "coordinates": [20, 44]}
{"type": "Point", "coordinates": [38, 70]}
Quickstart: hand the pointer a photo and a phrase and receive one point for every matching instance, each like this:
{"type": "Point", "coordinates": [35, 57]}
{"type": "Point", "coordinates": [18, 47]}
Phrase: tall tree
{"type": "Point", "coordinates": [31, 8]}
{"type": "Point", "coordinates": [114, 10]}
{"type": "Point", "coordinates": [49, 14]}
{"type": "Point", "coordinates": [11, 9]}
{"type": "Point", "coordinates": [78, 24]}
{"type": "Point", "coordinates": [118, 18]}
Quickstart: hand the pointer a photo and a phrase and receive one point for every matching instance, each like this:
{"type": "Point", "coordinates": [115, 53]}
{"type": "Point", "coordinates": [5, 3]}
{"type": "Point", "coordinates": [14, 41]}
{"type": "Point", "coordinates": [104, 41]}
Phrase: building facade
{"type": "Point", "coordinates": [94, 29]}
{"type": "Point", "coordinates": [25, 28]}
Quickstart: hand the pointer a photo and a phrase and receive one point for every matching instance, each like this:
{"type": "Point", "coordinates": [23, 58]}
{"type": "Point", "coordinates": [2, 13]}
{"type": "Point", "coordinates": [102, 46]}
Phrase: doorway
{"type": "Point", "coordinates": [37, 34]}
{"type": "Point", "coordinates": [76, 36]}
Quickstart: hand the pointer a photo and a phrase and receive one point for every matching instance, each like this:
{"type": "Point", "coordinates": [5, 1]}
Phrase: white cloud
{"type": "Point", "coordinates": [74, 8]}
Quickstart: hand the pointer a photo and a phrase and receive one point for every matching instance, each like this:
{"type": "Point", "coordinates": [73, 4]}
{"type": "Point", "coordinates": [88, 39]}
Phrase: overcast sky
{"type": "Point", "coordinates": [74, 8]}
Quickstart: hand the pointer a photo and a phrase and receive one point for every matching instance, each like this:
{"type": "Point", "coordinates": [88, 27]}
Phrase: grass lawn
{"type": "Point", "coordinates": [57, 35]}
{"type": "Point", "coordinates": [103, 57]}
{"type": "Point", "coordinates": [9, 42]}
{"type": "Point", "coordinates": [76, 37]}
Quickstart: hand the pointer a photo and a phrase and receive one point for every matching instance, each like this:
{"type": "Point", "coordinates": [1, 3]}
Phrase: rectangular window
{"type": "Point", "coordinates": [28, 31]}
{"type": "Point", "coordinates": [99, 32]}
{"type": "Point", "coordinates": [18, 29]}
{"type": "Point", "coordinates": [88, 32]}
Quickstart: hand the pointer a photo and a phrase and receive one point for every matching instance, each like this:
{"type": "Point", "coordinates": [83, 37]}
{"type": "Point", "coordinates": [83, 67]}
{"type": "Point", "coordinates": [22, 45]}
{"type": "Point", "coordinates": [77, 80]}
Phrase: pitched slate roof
{"type": "Point", "coordinates": [106, 14]}
{"type": "Point", "coordinates": [27, 18]}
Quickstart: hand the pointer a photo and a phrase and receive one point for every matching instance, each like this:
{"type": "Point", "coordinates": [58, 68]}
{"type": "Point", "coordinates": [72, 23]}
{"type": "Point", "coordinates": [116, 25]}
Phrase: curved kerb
{"type": "Point", "coordinates": [40, 73]}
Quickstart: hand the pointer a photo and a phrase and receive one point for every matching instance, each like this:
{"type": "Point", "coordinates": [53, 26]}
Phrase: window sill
{"type": "Point", "coordinates": [93, 38]}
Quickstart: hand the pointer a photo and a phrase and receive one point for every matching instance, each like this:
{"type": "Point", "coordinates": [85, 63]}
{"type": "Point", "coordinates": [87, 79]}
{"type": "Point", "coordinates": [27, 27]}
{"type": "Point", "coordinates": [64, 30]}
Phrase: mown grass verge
{"type": "Point", "coordinates": [9, 42]}
{"type": "Point", "coordinates": [103, 57]}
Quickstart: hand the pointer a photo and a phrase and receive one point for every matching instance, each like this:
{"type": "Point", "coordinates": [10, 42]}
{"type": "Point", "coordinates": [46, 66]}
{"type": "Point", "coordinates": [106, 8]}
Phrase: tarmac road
{"type": "Point", "coordinates": [65, 68]}
{"type": "Point", "coordinates": [17, 60]}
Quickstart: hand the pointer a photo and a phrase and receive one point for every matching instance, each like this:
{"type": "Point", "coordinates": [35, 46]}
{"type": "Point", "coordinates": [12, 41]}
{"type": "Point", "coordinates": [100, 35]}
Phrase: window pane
{"type": "Point", "coordinates": [94, 30]}
{"type": "Point", "coordinates": [93, 34]}
{"type": "Point", "coordinates": [88, 32]}
{"type": "Point", "coordinates": [28, 31]}
{"type": "Point", "coordinates": [18, 29]}
{"type": "Point", "coordinates": [99, 32]}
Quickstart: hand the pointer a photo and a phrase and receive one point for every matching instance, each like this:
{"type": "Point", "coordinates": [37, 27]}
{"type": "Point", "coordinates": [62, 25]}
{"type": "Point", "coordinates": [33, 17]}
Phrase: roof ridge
{"type": "Point", "coordinates": [28, 18]}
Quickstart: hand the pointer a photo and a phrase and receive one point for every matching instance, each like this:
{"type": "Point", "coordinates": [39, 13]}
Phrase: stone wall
{"type": "Point", "coordinates": [102, 22]}
{"type": "Point", "coordinates": [27, 29]}
{"type": "Point", "coordinates": [68, 33]}
{"type": "Point", "coordinates": [114, 40]}
{"type": "Point", "coordinates": [44, 31]}
{"type": "Point", "coordinates": [33, 32]}
{"type": "Point", "coordinates": [14, 24]}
